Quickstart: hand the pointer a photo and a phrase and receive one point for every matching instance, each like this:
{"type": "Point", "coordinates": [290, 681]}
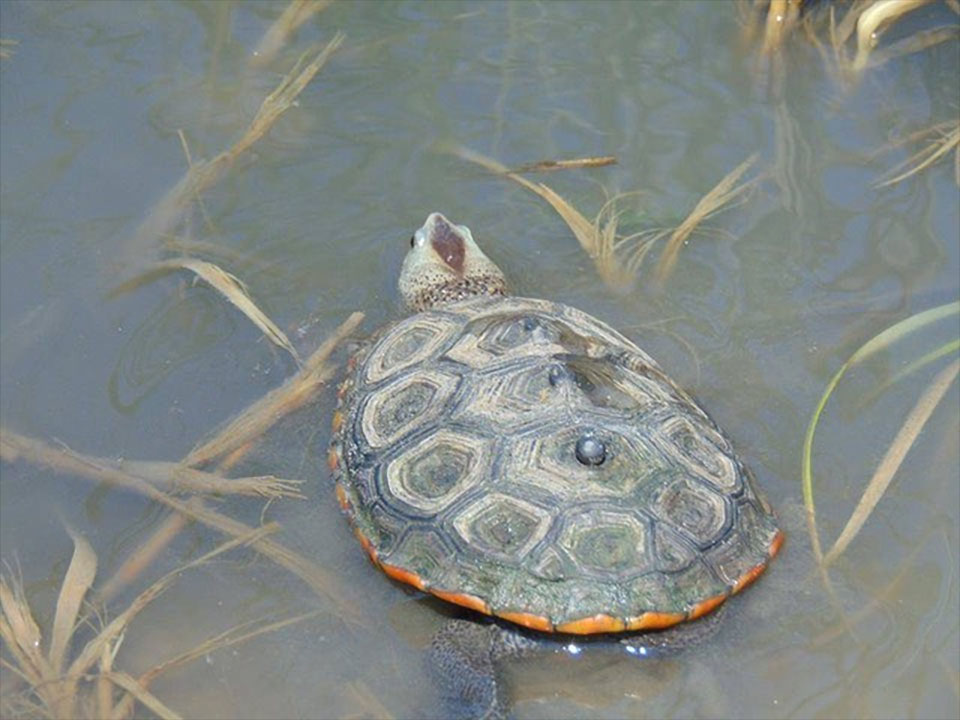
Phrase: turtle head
{"type": "Point", "coordinates": [445, 265]}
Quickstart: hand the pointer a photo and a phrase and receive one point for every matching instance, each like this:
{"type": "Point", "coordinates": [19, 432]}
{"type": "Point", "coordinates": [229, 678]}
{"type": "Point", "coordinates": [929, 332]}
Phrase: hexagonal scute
{"type": "Point", "coordinates": [502, 525]}
{"type": "Point", "coordinates": [503, 336]}
{"type": "Point", "coordinates": [747, 546]}
{"type": "Point", "coordinates": [410, 341]}
{"type": "Point", "coordinates": [699, 449]}
{"type": "Point", "coordinates": [549, 461]}
{"type": "Point", "coordinates": [438, 470]}
{"type": "Point", "coordinates": [514, 397]}
{"type": "Point", "coordinates": [694, 510]}
{"type": "Point", "coordinates": [606, 543]}
{"type": "Point", "coordinates": [422, 552]}
{"type": "Point", "coordinates": [397, 408]}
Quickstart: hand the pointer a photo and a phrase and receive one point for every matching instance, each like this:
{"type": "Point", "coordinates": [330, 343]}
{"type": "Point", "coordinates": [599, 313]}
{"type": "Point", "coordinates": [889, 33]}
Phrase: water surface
{"type": "Point", "coordinates": [315, 220]}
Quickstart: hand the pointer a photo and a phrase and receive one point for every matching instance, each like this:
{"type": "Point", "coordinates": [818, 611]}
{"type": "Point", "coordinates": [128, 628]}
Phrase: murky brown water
{"type": "Point", "coordinates": [315, 220]}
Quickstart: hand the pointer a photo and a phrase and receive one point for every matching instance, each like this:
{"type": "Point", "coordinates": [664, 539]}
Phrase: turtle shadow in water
{"type": "Point", "coordinates": [467, 656]}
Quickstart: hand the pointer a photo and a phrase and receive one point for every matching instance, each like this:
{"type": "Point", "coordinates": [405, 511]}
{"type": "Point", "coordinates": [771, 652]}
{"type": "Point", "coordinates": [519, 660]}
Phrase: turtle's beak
{"type": "Point", "coordinates": [447, 242]}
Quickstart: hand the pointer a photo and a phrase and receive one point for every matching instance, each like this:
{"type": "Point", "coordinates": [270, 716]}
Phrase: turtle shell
{"type": "Point", "coordinates": [522, 458]}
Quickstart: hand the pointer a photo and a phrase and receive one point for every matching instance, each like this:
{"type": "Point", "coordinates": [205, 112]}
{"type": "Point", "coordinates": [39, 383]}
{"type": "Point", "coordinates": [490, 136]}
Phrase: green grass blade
{"type": "Point", "coordinates": [872, 346]}
{"type": "Point", "coordinates": [918, 364]}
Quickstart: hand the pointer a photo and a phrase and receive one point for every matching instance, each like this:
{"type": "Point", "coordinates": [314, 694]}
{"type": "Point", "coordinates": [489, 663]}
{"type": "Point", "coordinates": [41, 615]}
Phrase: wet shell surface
{"type": "Point", "coordinates": [522, 458]}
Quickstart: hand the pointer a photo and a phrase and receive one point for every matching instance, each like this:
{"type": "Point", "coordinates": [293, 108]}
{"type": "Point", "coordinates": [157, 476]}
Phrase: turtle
{"type": "Point", "coordinates": [522, 459]}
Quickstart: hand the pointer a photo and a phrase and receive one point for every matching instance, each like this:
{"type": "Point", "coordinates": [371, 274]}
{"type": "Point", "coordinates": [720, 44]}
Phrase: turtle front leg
{"type": "Point", "coordinates": [465, 658]}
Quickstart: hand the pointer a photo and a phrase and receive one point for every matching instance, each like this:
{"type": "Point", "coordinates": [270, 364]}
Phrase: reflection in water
{"type": "Point", "coordinates": [182, 329]}
{"type": "Point", "coordinates": [324, 203]}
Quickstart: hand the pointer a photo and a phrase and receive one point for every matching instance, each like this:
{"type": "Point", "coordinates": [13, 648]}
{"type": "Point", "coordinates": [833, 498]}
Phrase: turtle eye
{"type": "Point", "coordinates": [412, 240]}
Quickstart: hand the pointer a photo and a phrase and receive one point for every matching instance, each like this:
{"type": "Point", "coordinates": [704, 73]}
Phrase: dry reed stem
{"type": "Point", "coordinates": [277, 102]}
{"type": "Point", "coordinates": [21, 634]}
{"type": "Point", "coordinates": [574, 164]}
{"type": "Point", "coordinates": [294, 393]}
{"type": "Point", "coordinates": [843, 31]}
{"type": "Point", "coordinates": [587, 233]}
{"type": "Point", "coordinates": [76, 583]}
{"type": "Point", "coordinates": [150, 701]}
{"type": "Point", "coordinates": [279, 32]}
{"type": "Point", "coordinates": [233, 636]}
{"type": "Point", "coordinates": [169, 476]}
{"type": "Point", "coordinates": [218, 642]}
{"type": "Point", "coordinates": [872, 19]}
{"type": "Point", "coordinates": [929, 155]}
{"type": "Point", "coordinates": [103, 688]}
{"type": "Point", "coordinates": [920, 40]}
{"type": "Point", "coordinates": [369, 704]}
{"type": "Point", "coordinates": [169, 212]}
{"type": "Point", "coordinates": [782, 15]}
{"type": "Point", "coordinates": [176, 477]}
{"type": "Point", "coordinates": [6, 48]}
{"type": "Point", "coordinates": [227, 285]}
{"type": "Point", "coordinates": [893, 458]}
{"type": "Point", "coordinates": [13, 447]}
{"type": "Point", "coordinates": [93, 649]}
{"type": "Point", "coordinates": [715, 201]}
{"type": "Point", "coordinates": [885, 594]}
{"type": "Point", "coordinates": [142, 557]}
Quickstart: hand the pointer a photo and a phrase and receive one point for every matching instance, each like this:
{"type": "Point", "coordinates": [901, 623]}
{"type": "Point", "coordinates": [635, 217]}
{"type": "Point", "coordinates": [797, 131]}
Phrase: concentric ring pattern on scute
{"type": "Point", "coordinates": [456, 460]}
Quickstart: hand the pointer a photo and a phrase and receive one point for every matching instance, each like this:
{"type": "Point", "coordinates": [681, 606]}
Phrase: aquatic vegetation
{"type": "Point", "coordinates": [293, 394]}
{"type": "Point", "coordinates": [940, 140]}
{"type": "Point", "coordinates": [227, 285]}
{"type": "Point", "coordinates": [904, 439]}
{"type": "Point", "coordinates": [6, 48]}
{"type": "Point", "coordinates": [724, 195]}
{"type": "Point", "coordinates": [15, 447]}
{"type": "Point", "coordinates": [277, 35]}
{"type": "Point", "coordinates": [618, 258]}
{"type": "Point", "coordinates": [170, 211]}
{"type": "Point", "coordinates": [65, 682]}
{"type": "Point", "coordinates": [850, 44]}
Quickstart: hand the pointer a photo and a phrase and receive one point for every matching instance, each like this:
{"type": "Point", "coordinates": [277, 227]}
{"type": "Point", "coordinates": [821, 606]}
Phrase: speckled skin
{"type": "Point", "coordinates": [458, 456]}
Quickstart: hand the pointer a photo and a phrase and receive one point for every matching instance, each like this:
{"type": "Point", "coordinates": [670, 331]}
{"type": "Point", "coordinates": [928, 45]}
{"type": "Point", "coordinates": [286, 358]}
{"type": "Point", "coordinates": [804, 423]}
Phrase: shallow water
{"type": "Point", "coordinates": [315, 220]}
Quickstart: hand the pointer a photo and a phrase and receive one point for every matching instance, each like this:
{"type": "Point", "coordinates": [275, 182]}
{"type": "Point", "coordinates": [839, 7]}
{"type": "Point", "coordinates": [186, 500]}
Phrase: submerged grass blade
{"type": "Point", "coordinates": [914, 43]}
{"type": "Point", "coordinates": [918, 364]}
{"type": "Point", "coordinates": [875, 344]}
{"type": "Point", "coordinates": [719, 198]}
{"type": "Point", "coordinates": [176, 477]}
{"type": "Point", "coordinates": [230, 637]}
{"type": "Point", "coordinates": [126, 473]}
{"type": "Point", "coordinates": [104, 697]}
{"type": "Point", "coordinates": [21, 633]}
{"type": "Point", "coordinates": [204, 174]}
{"type": "Point", "coordinates": [256, 419]}
{"type": "Point", "coordinates": [292, 17]}
{"type": "Point", "coordinates": [893, 458]}
{"type": "Point", "coordinates": [588, 233]}
{"type": "Point", "coordinates": [885, 597]}
{"type": "Point", "coordinates": [76, 583]}
{"type": "Point", "coordinates": [582, 228]}
{"type": "Point", "coordinates": [227, 285]}
{"type": "Point", "coordinates": [14, 446]}
{"type": "Point", "coordinates": [877, 15]}
{"type": "Point", "coordinates": [926, 157]}
{"type": "Point", "coordinates": [145, 697]}
{"type": "Point", "coordinates": [280, 100]}
{"type": "Point", "coordinates": [93, 649]}
{"type": "Point", "coordinates": [144, 555]}
{"type": "Point", "coordinates": [573, 164]}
